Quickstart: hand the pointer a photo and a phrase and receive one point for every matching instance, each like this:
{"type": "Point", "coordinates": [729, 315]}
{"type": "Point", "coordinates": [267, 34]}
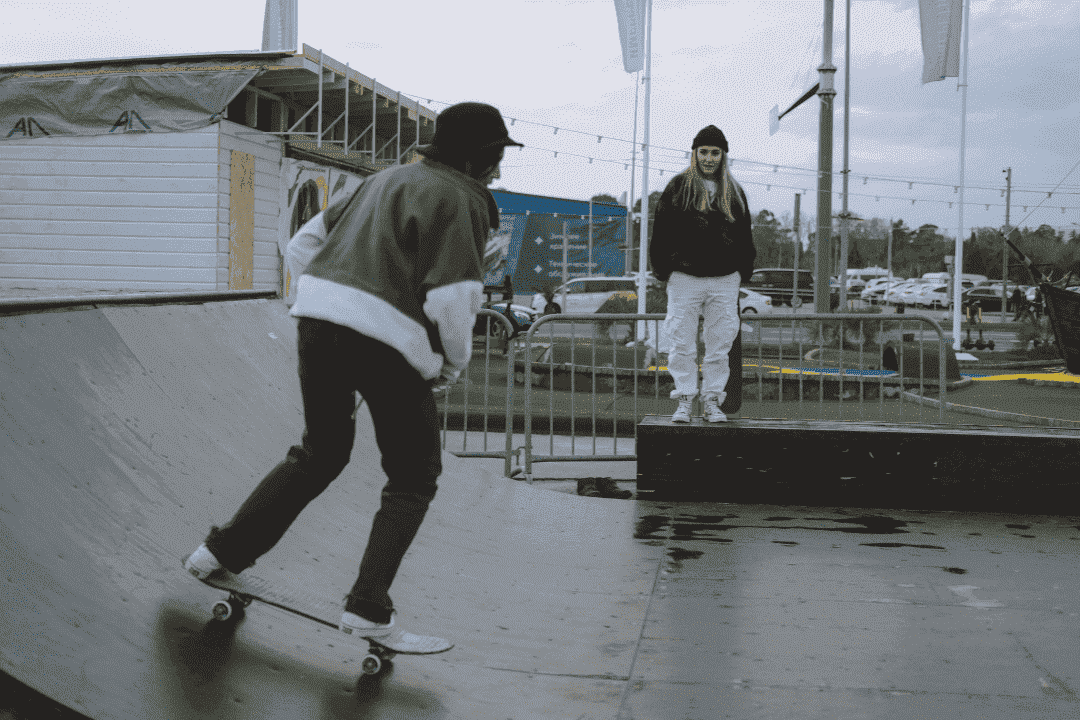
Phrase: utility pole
{"type": "Point", "coordinates": [823, 251]}
{"type": "Point", "coordinates": [798, 247]}
{"type": "Point", "coordinates": [1004, 244]}
{"type": "Point", "coordinates": [888, 261]}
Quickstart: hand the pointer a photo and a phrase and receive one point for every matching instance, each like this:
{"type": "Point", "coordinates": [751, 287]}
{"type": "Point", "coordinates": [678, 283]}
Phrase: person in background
{"type": "Point", "coordinates": [702, 246]}
{"type": "Point", "coordinates": [1018, 301]}
{"type": "Point", "coordinates": [390, 283]}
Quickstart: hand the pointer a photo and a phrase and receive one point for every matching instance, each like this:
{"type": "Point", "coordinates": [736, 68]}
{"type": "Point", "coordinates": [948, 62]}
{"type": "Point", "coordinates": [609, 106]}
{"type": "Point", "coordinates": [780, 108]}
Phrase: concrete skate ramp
{"type": "Point", "coordinates": [127, 431]}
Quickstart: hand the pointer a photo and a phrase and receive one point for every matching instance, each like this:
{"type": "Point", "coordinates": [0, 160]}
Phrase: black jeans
{"type": "Point", "coordinates": [335, 361]}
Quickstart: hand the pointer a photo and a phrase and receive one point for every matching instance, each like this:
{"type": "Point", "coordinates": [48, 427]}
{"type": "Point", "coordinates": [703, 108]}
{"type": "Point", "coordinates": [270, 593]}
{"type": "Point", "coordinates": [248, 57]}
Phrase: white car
{"type": "Point", "coordinates": [754, 303]}
{"type": "Point", "coordinates": [586, 295]}
{"type": "Point", "coordinates": [876, 287]}
{"type": "Point", "coordinates": [934, 296]}
{"type": "Point", "coordinates": [910, 294]}
{"type": "Point", "coordinates": [892, 295]}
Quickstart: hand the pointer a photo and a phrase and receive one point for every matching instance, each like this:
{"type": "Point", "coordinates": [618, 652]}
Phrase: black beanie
{"type": "Point", "coordinates": [710, 136]}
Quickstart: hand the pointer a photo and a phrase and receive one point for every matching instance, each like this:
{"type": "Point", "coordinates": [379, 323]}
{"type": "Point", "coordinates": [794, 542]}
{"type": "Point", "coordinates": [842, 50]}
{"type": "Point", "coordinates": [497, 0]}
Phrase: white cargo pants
{"type": "Point", "coordinates": [689, 298]}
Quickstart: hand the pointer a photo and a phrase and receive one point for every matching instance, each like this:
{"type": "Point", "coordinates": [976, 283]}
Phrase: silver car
{"type": "Point", "coordinates": [586, 295]}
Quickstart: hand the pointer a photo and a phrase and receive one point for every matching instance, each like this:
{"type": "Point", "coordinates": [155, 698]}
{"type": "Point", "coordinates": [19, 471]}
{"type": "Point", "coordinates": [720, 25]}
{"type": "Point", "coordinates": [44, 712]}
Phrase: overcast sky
{"type": "Point", "coordinates": [558, 63]}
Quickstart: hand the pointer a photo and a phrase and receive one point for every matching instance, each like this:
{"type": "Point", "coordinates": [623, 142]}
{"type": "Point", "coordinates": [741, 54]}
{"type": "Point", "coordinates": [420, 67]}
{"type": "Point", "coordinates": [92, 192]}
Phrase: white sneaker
{"type": "Point", "coordinates": [202, 563]}
{"type": "Point", "coordinates": [351, 624]}
{"type": "Point", "coordinates": [682, 414]}
{"type": "Point", "coordinates": [711, 410]}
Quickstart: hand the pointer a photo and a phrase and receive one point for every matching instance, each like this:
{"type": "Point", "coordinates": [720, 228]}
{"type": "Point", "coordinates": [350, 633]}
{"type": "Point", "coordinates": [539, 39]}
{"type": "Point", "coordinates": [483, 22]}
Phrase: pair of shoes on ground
{"type": "Point", "coordinates": [710, 409]}
{"type": "Point", "coordinates": [203, 565]}
{"type": "Point", "coordinates": [601, 487]}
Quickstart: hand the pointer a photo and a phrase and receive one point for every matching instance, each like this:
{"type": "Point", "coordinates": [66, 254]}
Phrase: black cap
{"type": "Point", "coordinates": [467, 127]}
{"type": "Point", "coordinates": [712, 136]}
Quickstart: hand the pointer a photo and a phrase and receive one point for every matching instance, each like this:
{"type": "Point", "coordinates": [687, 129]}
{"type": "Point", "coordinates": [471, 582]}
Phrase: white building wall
{"type": "Point", "coordinates": [131, 211]}
{"type": "Point", "coordinates": [300, 181]}
{"type": "Point", "coordinates": [266, 149]}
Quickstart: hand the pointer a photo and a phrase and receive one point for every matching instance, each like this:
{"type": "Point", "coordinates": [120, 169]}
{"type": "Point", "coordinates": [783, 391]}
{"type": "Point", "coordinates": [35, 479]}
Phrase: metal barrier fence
{"type": "Point", "coordinates": [496, 327]}
{"type": "Point", "coordinates": [836, 359]}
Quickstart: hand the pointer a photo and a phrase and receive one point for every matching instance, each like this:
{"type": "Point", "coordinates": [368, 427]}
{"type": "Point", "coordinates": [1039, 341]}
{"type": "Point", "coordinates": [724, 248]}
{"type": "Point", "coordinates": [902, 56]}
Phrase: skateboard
{"type": "Point", "coordinates": [733, 398]}
{"type": "Point", "coordinates": [245, 589]}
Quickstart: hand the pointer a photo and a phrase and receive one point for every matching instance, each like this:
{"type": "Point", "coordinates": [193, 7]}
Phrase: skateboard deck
{"type": "Point", "coordinates": [733, 398]}
{"type": "Point", "coordinates": [243, 589]}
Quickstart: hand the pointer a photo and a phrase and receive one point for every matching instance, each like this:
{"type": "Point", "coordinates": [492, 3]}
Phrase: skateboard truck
{"type": "Point", "coordinates": [230, 609]}
{"type": "Point", "coordinates": [378, 657]}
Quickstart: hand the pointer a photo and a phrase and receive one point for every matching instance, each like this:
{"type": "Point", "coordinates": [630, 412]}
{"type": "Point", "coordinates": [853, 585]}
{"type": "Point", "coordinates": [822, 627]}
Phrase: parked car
{"type": "Point", "coordinates": [754, 303]}
{"type": "Point", "coordinates": [876, 288]}
{"type": "Point", "coordinates": [523, 316]}
{"type": "Point", "coordinates": [988, 297]}
{"type": "Point", "coordinates": [910, 294]}
{"type": "Point", "coordinates": [586, 295]}
{"type": "Point", "coordinates": [777, 283]}
{"type": "Point", "coordinates": [934, 296]}
{"type": "Point", "coordinates": [892, 295]}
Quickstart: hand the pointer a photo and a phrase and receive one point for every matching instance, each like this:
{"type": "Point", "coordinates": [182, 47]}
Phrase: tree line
{"type": "Point", "coordinates": [914, 250]}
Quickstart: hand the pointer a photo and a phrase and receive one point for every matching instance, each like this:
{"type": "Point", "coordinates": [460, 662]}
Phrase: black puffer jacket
{"type": "Point", "coordinates": [702, 244]}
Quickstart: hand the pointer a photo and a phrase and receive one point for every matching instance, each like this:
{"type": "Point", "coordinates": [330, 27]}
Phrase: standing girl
{"type": "Point", "coordinates": [702, 246]}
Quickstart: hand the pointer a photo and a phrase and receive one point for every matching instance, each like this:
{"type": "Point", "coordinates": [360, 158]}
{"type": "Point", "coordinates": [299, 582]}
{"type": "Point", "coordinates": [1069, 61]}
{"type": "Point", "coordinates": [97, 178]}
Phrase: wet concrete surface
{"type": "Point", "coordinates": [799, 612]}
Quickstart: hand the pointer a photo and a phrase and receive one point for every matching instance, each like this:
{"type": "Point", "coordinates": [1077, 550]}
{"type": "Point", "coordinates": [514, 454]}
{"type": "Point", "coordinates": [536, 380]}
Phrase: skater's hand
{"type": "Point", "coordinates": [446, 378]}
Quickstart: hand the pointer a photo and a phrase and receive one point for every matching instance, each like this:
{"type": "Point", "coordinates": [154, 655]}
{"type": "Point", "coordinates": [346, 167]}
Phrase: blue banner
{"type": "Point", "coordinates": [529, 249]}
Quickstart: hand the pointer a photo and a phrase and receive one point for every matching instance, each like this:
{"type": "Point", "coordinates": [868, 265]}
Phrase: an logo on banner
{"type": "Point", "coordinates": [127, 121]}
{"type": "Point", "coordinates": [26, 127]}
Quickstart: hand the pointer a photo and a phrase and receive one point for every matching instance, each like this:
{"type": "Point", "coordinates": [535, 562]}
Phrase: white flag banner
{"type": "Point", "coordinates": [631, 16]}
{"type": "Point", "coordinates": [280, 25]}
{"type": "Point", "coordinates": [940, 21]}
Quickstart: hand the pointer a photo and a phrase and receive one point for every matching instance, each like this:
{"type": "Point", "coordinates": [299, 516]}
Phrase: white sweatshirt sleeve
{"type": "Point", "coordinates": [300, 251]}
{"type": "Point", "coordinates": [453, 308]}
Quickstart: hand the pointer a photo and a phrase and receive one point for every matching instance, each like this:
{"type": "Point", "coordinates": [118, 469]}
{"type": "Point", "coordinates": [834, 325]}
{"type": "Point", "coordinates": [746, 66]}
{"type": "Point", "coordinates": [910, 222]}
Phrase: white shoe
{"type": "Point", "coordinates": [711, 410]}
{"type": "Point", "coordinates": [353, 624]}
{"type": "Point", "coordinates": [202, 563]}
{"type": "Point", "coordinates": [682, 414]}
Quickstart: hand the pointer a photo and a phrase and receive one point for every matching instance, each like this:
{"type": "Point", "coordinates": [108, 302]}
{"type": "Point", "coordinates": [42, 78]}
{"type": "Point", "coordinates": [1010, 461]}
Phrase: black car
{"type": "Point", "coordinates": [521, 319]}
{"type": "Point", "coordinates": [777, 284]}
{"type": "Point", "coordinates": [988, 298]}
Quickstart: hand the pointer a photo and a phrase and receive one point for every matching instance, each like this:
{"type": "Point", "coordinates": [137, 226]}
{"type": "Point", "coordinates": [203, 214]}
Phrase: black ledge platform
{"type": "Point", "coordinates": [885, 465]}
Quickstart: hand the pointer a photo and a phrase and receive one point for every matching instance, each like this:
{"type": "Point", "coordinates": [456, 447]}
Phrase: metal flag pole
{"type": "Point", "coordinates": [628, 265]}
{"type": "Point", "coordinates": [958, 268]}
{"type": "Point", "coordinates": [643, 251]}
{"type": "Point", "coordinates": [845, 216]}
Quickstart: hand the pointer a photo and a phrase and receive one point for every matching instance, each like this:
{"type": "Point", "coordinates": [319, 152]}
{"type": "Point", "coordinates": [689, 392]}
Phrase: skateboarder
{"type": "Point", "coordinates": [390, 282]}
{"type": "Point", "coordinates": [702, 245]}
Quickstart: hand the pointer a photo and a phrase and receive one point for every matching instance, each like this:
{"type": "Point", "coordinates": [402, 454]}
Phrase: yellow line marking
{"type": "Point", "coordinates": [1055, 377]}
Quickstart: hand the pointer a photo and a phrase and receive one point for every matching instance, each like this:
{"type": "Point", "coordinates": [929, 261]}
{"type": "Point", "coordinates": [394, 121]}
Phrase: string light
{"type": "Point", "coordinates": [911, 183]}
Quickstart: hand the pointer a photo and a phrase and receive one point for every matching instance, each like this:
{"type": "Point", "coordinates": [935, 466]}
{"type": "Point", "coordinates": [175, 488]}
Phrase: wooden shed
{"type": "Point", "coordinates": [184, 172]}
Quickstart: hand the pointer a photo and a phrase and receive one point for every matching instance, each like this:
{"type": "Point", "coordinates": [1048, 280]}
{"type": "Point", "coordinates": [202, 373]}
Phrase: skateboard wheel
{"type": "Point", "coordinates": [371, 664]}
{"type": "Point", "coordinates": [223, 610]}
